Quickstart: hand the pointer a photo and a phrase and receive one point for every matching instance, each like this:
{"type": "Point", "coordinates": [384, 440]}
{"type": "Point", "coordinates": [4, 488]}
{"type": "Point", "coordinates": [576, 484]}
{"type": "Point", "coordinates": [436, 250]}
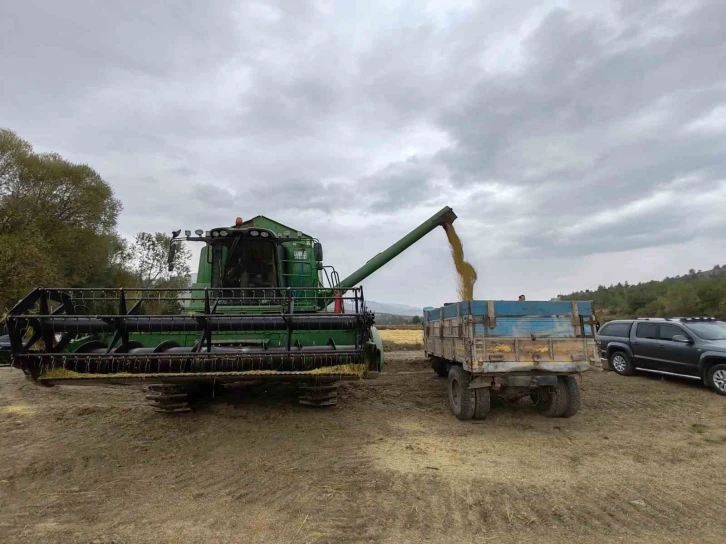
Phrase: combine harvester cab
{"type": "Point", "coordinates": [264, 308]}
{"type": "Point", "coordinates": [511, 349]}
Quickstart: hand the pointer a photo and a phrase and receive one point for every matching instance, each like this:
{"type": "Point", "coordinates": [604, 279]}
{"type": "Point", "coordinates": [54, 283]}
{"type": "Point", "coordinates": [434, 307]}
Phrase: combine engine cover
{"type": "Point", "coordinates": [182, 336]}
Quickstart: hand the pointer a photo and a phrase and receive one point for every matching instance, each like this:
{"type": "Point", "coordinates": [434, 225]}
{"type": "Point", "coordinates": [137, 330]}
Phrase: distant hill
{"type": "Point", "coordinates": [386, 308]}
{"type": "Point", "coordinates": [699, 293]}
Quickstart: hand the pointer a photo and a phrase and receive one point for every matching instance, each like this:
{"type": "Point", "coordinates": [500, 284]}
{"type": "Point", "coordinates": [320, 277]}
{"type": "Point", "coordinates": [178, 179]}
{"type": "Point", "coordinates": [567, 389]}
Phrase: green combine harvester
{"type": "Point", "coordinates": [264, 307]}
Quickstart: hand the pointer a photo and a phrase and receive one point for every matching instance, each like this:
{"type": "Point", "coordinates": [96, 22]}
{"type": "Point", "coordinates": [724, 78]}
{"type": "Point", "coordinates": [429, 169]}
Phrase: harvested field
{"type": "Point", "coordinates": [641, 462]}
{"type": "Point", "coordinates": [402, 339]}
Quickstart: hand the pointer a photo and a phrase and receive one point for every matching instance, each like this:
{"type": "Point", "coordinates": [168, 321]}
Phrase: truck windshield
{"type": "Point", "coordinates": [711, 330]}
{"type": "Point", "coordinates": [243, 263]}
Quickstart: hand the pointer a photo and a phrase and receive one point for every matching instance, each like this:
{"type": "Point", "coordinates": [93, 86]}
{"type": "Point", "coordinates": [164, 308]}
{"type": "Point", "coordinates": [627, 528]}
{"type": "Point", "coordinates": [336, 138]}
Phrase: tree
{"type": "Point", "coordinates": [682, 300]}
{"type": "Point", "coordinates": [415, 320]}
{"type": "Point", "coordinates": [696, 293]}
{"type": "Point", "coordinates": [149, 261]}
{"type": "Point", "coordinates": [23, 266]}
{"type": "Point", "coordinates": [57, 220]}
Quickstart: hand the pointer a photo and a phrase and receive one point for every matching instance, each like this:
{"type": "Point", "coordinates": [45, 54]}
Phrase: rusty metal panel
{"type": "Point", "coordinates": [564, 349]}
{"type": "Point", "coordinates": [478, 353]}
{"type": "Point", "coordinates": [500, 349]}
{"type": "Point", "coordinates": [534, 350]}
{"type": "Point", "coordinates": [448, 349]}
{"type": "Point", "coordinates": [462, 353]}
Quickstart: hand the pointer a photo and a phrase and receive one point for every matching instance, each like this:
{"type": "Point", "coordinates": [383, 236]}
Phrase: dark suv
{"type": "Point", "coordinates": [693, 347]}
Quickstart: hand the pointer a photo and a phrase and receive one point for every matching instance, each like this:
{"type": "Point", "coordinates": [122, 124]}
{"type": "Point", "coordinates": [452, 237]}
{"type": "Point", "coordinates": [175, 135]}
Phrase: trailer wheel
{"type": "Point", "coordinates": [461, 399]}
{"type": "Point", "coordinates": [440, 366]}
{"type": "Point", "coordinates": [573, 397]}
{"type": "Point", "coordinates": [551, 401]}
{"type": "Point", "coordinates": [483, 402]}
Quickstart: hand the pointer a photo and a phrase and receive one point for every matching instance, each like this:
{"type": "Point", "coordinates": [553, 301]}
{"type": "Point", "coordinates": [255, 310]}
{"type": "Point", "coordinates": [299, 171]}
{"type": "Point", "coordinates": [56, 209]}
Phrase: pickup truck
{"type": "Point", "coordinates": [691, 347]}
{"type": "Point", "coordinates": [511, 349]}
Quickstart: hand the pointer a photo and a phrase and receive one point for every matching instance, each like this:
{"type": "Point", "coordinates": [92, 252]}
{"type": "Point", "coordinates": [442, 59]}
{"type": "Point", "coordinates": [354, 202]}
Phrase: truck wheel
{"type": "Point", "coordinates": [716, 379]}
{"type": "Point", "coordinates": [551, 401]}
{"type": "Point", "coordinates": [620, 363]}
{"type": "Point", "coordinates": [573, 397]}
{"type": "Point", "coordinates": [461, 399]}
{"type": "Point", "coordinates": [483, 398]}
{"type": "Point", "coordinates": [440, 367]}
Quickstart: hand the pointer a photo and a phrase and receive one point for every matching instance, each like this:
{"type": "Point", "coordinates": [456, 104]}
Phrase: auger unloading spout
{"type": "Point", "coordinates": [445, 216]}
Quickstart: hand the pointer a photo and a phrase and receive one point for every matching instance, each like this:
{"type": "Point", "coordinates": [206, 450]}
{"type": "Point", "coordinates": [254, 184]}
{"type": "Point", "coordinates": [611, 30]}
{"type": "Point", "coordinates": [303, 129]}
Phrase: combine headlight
{"type": "Point", "coordinates": [215, 233]}
{"type": "Point", "coordinates": [187, 233]}
{"type": "Point", "coordinates": [286, 233]}
{"type": "Point", "coordinates": [254, 233]}
{"type": "Point", "coordinates": [199, 232]}
{"type": "Point", "coordinates": [264, 234]}
{"type": "Point", "coordinates": [223, 233]}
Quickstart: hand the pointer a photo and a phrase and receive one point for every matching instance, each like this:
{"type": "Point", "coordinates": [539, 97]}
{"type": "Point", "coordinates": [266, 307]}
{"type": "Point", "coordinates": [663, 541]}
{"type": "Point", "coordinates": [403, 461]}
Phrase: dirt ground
{"type": "Point", "coordinates": [642, 462]}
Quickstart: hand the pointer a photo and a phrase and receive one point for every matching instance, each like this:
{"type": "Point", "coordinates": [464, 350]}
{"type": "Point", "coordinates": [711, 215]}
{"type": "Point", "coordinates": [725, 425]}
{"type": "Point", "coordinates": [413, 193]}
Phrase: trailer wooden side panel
{"type": "Point", "coordinates": [485, 341]}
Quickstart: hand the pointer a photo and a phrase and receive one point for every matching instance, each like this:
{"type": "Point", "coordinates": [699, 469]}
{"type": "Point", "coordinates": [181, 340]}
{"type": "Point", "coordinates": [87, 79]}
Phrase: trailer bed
{"type": "Point", "coordinates": [490, 337]}
{"type": "Point", "coordinates": [511, 350]}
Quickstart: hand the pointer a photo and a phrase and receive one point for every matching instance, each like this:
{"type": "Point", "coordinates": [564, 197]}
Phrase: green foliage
{"type": "Point", "coordinates": [149, 261]}
{"type": "Point", "coordinates": [415, 320]}
{"type": "Point", "coordinates": [58, 229]}
{"type": "Point", "coordinates": [697, 293]}
{"type": "Point", "coordinates": [23, 266]}
{"type": "Point", "coordinates": [57, 220]}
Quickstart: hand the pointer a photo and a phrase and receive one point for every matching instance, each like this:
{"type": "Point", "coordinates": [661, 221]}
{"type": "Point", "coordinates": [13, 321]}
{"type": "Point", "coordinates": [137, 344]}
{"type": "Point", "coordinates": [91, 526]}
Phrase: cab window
{"type": "Point", "coordinates": [647, 330]}
{"type": "Point", "coordinates": [667, 332]}
{"type": "Point", "coordinates": [615, 329]}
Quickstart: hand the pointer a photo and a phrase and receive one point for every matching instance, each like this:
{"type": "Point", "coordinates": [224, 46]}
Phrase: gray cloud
{"type": "Point", "coordinates": [560, 133]}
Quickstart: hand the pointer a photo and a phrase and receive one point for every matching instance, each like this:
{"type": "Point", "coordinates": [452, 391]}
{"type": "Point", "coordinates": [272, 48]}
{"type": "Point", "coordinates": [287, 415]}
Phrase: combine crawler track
{"type": "Point", "coordinates": [319, 394]}
{"type": "Point", "coordinates": [168, 398]}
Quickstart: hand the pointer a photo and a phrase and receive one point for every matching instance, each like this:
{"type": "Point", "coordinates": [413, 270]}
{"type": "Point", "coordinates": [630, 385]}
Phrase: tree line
{"type": "Point", "coordinates": [58, 228]}
{"type": "Point", "coordinates": [698, 293]}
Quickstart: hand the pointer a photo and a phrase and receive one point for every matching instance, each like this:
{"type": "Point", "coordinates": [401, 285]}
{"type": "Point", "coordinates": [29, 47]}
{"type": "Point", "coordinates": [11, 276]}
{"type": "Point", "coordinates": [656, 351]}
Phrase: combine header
{"type": "Point", "coordinates": [264, 308]}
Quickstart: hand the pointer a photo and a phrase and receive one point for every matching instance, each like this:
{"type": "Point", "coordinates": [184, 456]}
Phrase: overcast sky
{"type": "Point", "coordinates": [579, 142]}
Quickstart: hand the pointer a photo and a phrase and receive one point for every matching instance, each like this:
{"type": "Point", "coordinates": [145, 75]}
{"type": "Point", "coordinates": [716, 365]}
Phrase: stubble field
{"type": "Point", "coordinates": [641, 462]}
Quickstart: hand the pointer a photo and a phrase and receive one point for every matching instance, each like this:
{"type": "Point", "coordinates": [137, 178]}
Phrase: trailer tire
{"type": "Point", "coordinates": [440, 366]}
{"type": "Point", "coordinates": [462, 400]}
{"type": "Point", "coordinates": [483, 398]}
{"type": "Point", "coordinates": [573, 397]}
{"type": "Point", "coordinates": [551, 402]}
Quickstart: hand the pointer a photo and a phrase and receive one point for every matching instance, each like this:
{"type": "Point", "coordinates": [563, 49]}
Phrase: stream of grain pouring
{"type": "Point", "coordinates": [467, 274]}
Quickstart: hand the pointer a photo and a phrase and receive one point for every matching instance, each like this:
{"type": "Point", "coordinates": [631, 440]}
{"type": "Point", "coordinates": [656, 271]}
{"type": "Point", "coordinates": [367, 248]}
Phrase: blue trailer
{"type": "Point", "coordinates": [511, 349]}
